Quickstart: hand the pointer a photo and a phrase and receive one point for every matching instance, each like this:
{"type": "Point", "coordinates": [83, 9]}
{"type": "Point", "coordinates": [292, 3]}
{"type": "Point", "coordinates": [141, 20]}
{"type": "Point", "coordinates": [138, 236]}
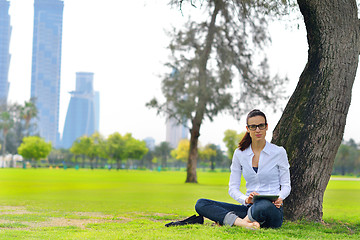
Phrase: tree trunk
{"type": "Point", "coordinates": [76, 159]}
{"type": "Point", "coordinates": [163, 162]}
{"type": "Point", "coordinates": [312, 125]}
{"type": "Point", "coordinates": [203, 98]}
{"type": "Point", "coordinates": [193, 153]}
{"type": "Point", "coordinates": [96, 162]}
{"type": "Point", "coordinates": [212, 164]}
{"type": "Point", "coordinates": [91, 163]}
{"type": "Point", "coordinates": [83, 161]}
{"type": "Point", "coordinates": [118, 164]}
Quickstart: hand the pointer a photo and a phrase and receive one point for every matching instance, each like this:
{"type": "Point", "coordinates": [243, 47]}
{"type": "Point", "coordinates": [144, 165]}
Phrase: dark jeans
{"type": "Point", "coordinates": [262, 211]}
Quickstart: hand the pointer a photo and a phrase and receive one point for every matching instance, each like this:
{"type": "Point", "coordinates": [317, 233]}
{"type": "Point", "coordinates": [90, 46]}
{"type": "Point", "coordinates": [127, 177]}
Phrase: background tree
{"type": "Point", "coordinates": [154, 161]}
{"type": "Point", "coordinates": [16, 132]}
{"type": "Point", "coordinates": [98, 148]}
{"type": "Point", "coordinates": [231, 140]}
{"type": "Point", "coordinates": [90, 149]}
{"type": "Point", "coordinates": [120, 147]}
{"type": "Point", "coordinates": [312, 125]}
{"type": "Point", "coordinates": [115, 148]}
{"type": "Point", "coordinates": [6, 123]}
{"type": "Point", "coordinates": [146, 160]}
{"type": "Point", "coordinates": [347, 160]}
{"type": "Point", "coordinates": [18, 127]}
{"type": "Point", "coordinates": [218, 159]}
{"type": "Point", "coordinates": [75, 150]}
{"type": "Point", "coordinates": [206, 153]}
{"type": "Point", "coordinates": [59, 156]}
{"type": "Point", "coordinates": [93, 147]}
{"type": "Point", "coordinates": [162, 151]}
{"type": "Point", "coordinates": [81, 147]}
{"type": "Point", "coordinates": [181, 152]}
{"type": "Point", "coordinates": [206, 57]}
{"type": "Point", "coordinates": [34, 148]}
{"type": "Point", "coordinates": [28, 112]}
{"type": "Point", "coordinates": [135, 149]}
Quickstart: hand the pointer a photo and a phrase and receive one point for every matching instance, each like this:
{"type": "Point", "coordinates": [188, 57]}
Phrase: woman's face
{"type": "Point", "coordinates": [254, 126]}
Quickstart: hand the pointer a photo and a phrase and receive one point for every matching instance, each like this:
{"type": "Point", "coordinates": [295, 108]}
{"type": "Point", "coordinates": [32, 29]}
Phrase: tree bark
{"type": "Point", "coordinates": [193, 154]}
{"type": "Point", "coordinates": [203, 97]}
{"type": "Point", "coordinates": [312, 125]}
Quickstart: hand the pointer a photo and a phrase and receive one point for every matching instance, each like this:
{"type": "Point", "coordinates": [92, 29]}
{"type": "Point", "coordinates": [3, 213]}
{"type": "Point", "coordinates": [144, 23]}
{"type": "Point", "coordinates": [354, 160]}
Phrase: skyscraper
{"type": "Point", "coordinates": [150, 143]}
{"type": "Point", "coordinates": [46, 65]}
{"type": "Point", "coordinates": [5, 33]}
{"type": "Point", "coordinates": [82, 117]}
{"type": "Point", "coordinates": [175, 132]}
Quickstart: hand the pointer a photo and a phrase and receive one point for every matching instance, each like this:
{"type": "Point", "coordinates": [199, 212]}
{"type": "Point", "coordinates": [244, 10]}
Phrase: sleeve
{"type": "Point", "coordinates": [284, 175]}
{"type": "Point", "coordinates": [235, 180]}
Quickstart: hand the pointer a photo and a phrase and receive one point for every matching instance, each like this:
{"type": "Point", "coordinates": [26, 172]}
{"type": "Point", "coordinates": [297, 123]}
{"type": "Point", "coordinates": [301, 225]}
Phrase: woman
{"type": "Point", "coordinates": [266, 170]}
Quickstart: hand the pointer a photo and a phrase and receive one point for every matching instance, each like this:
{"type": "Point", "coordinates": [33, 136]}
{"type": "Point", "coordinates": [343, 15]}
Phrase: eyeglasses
{"type": "Point", "coordinates": [261, 126]}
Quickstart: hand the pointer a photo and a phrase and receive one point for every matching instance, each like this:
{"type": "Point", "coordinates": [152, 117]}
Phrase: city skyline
{"type": "Point", "coordinates": [5, 36]}
{"type": "Point", "coordinates": [82, 117]}
{"type": "Point", "coordinates": [46, 67]}
{"type": "Point", "coordinates": [128, 55]}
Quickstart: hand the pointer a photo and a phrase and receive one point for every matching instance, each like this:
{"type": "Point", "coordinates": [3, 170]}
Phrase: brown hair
{"type": "Point", "coordinates": [246, 140]}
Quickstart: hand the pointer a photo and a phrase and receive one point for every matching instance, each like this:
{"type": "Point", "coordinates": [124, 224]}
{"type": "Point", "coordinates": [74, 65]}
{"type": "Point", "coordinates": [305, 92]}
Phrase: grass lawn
{"type": "Point", "coordinates": [102, 204]}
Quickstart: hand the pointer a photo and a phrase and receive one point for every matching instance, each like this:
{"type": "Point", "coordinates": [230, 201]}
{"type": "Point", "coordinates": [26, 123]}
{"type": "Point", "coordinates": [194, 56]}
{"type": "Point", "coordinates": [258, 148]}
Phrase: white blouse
{"type": "Point", "coordinates": [272, 177]}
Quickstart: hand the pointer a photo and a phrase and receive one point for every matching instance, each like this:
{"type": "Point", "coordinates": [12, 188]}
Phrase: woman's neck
{"type": "Point", "coordinates": [258, 146]}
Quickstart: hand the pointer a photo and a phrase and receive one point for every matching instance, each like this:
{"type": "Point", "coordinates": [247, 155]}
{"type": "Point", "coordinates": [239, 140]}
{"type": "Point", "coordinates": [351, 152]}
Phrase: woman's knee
{"type": "Point", "coordinates": [263, 205]}
{"type": "Point", "coordinates": [260, 210]}
{"type": "Point", "coordinates": [200, 203]}
{"type": "Point", "coordinates": [266, 212]}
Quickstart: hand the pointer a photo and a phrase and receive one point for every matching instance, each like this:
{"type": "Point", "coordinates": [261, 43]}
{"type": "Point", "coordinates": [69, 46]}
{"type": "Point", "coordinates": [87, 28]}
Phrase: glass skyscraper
{"type": "Point", "coordinates": [46, 65]}
{"type": "Point", "coordinates": [82, 117]}
{"type": "Point", "coordinates": [5, 33]}
{"type": "Point", "coordinates": [175, 131]}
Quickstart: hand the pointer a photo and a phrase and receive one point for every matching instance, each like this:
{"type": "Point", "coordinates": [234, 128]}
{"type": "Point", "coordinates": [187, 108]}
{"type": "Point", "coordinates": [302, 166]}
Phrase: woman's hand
{"type": "Point", "coordinates": [250, 198]}
{"type": "Point", "coordinates": [278, 203]}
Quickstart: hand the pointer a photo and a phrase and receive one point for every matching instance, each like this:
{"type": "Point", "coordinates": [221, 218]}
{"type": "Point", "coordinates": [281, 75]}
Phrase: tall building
{"type": "Point", "coordinates": [82, 117]}
{"type": "Point", "coordinates": [175, 132]}
{"type": "Point", "coordinates": [5, 33]}
{"type": "Point", "coordinates": [150, 143]}
{"type": "Point", "coordinates": [46, 66]}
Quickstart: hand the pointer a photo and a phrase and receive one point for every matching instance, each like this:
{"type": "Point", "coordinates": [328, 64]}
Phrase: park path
{"type": "Point", "coordinates": [344, 179]}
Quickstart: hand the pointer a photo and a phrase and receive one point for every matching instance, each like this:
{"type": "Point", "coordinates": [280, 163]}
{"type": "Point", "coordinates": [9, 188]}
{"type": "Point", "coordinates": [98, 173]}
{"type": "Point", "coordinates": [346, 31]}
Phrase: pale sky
{"type": "Point", "coordinates": [124, 44]}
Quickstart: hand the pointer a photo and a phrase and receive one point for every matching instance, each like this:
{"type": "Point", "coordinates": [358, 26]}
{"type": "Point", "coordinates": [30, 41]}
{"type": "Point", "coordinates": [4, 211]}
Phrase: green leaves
{"type": "Point", "coordinates": [207, 55]}
{"type": "Point", "coordinates": [116, 147]}
{"type": "Point", "coordinates": [6, 122]}
{"type": "Point", "coordinates": [231, 140]}
{"type": "Point", "coordinates": [34, 147]}
{"type": "Point", "coordinates": [125, 147]}
{"type": "Point", "coordinates": [15, 123]}
{"type": "Point", "coordinates": [347, 160]}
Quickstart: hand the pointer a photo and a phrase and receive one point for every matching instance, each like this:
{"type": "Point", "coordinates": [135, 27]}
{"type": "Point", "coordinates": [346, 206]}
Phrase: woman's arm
{"type": "Point", "coordinates": [235, 180]}
{"type": "Point", "coordinates": [284, 176]}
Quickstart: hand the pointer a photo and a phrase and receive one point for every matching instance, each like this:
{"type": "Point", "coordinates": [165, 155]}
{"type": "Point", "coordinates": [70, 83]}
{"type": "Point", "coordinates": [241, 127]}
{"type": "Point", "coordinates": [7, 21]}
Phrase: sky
{"type": "Point", "coordinates": [124, 44]}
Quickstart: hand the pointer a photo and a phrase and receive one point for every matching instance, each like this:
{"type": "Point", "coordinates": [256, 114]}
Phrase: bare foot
{"type": "Point", "coordinates": [246, 223]}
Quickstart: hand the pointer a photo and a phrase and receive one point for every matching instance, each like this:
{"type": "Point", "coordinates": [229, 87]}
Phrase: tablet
{"type": "Point", "coordinates": [268, 197]}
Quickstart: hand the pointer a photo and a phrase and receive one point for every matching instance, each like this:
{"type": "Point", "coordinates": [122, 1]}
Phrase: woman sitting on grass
{"type": "Point", "coordinates": [266, 170]}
